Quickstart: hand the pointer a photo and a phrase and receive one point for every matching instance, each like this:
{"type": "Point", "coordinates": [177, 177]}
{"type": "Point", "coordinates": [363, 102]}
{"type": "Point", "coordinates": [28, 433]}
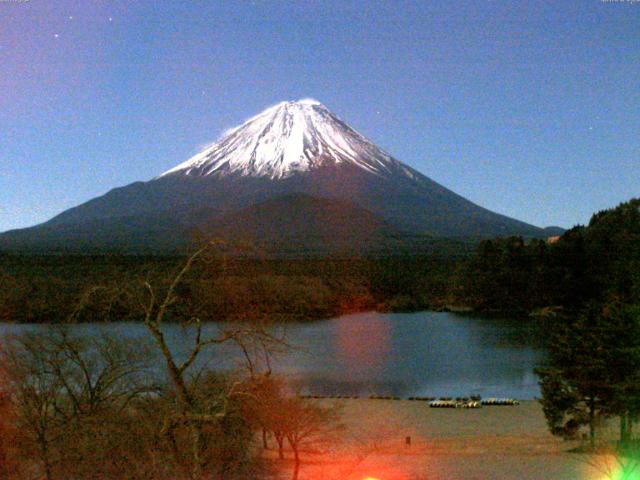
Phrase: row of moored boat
{"type": "Point", "coordinates": [474, 401]}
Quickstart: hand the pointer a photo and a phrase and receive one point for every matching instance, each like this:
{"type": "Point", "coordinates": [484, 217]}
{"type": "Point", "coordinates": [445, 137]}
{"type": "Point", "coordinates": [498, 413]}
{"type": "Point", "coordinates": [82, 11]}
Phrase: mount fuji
{"type": "Point", "coordinates": [294, 175]}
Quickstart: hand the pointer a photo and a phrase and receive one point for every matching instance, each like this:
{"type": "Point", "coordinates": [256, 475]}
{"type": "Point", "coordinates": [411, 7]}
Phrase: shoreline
{"type": "Point", "coordinates": [501, 442]}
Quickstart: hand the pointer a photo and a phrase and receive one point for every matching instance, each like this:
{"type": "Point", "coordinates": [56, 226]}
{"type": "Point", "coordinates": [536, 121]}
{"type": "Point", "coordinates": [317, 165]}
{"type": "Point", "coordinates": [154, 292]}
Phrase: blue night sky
{"type": "Point", "coordinates": [531, 109]}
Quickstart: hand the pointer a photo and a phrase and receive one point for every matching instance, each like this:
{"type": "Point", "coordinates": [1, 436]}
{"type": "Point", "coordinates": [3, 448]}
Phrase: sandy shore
{"type": "Point", "coordinates": [507, 442]}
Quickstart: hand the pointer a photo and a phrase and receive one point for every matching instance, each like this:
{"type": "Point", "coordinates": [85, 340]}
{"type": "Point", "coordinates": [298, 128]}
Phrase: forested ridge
{"type": "Point", "coordinates": [596, 262]}
{"type": "Point", "coordinates": [47, 288]}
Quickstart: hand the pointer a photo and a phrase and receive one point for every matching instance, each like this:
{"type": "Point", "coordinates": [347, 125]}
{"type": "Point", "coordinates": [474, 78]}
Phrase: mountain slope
{"type": "Point", "coordinates": [301, 223]}
{"type": "Point", "coordinates": [292, 147]}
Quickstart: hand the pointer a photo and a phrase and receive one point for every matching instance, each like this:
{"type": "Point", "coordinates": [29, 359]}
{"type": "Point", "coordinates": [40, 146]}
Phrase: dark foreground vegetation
{"type": "Point", "coordinates": [598, 262]}
{"type": "Point", "coordinates": [592, 371]}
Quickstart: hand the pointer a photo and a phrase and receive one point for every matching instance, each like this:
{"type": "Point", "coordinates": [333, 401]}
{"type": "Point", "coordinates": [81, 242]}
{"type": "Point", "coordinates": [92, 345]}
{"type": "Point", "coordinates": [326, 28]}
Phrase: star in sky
{"type": "Point", "coordinates": [448, 61]}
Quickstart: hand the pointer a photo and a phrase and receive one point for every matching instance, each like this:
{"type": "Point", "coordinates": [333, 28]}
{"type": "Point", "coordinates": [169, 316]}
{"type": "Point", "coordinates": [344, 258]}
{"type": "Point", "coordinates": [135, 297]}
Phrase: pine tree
{"type": "Point", "coordinates": [592, 370]}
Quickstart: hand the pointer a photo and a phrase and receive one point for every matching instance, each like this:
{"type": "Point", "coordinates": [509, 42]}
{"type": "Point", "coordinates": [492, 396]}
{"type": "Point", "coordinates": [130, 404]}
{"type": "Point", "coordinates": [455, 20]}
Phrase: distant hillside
{"type": "Point", "coordinates": [125, 234]}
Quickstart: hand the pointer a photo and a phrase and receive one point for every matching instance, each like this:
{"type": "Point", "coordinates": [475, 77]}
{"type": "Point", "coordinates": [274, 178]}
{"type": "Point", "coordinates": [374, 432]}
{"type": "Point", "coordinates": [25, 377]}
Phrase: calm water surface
{"type": "Point", "coordinates": [404, 354]}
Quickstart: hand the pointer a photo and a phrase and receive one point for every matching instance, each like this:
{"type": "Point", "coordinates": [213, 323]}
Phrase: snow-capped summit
{"type": "Point", "coordinates": [284, 139]}
{"type": "Point", "coordinates": [295, 174]}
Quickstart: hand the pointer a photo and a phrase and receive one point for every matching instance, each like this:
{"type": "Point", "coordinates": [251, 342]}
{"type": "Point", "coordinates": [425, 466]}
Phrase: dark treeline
{"type": "Point", "coordinates": [48, 288]}
{"type": "Point", "coordinates": [597, 262]}
{"type": "Point", "coordinates": [585, 286]}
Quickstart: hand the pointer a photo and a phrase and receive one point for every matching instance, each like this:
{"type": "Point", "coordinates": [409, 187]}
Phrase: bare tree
{"type": "Point", "coordinates": [35, 394]}
{"type": "Point", "coordinates": [8, 436]}
{"type": "Point", "coordinates": [191, 414]}
{"type": "Point", "coordinates": [265, 408]}
{"type": "Point", "coordinates": [86, 409]}
{"type": "Point", "coordinates": [62, 389]}
{"type": "Point", "coordinates": [310, 426]}
{"type": "Point", "coordinates": [302, 423]}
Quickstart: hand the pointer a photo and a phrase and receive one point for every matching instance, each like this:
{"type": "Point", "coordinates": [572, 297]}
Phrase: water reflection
{"type": "Point", "coordinates": [363, 348]}
{"type": "Point", "coordinates": [425, 353]}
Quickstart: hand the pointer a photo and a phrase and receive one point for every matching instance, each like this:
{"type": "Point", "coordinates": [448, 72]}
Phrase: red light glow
{"type": "Point", "coordinates": [363, 356]}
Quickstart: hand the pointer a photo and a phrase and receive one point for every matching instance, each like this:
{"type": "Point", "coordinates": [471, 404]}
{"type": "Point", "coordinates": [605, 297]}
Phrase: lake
{"type": "Point", "coordinates": [401, 354]}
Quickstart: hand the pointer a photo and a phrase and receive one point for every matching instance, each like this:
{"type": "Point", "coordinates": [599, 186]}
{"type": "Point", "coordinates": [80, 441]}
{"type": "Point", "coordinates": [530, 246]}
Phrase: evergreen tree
{"type": "Point", "coordinates": [592, 369]}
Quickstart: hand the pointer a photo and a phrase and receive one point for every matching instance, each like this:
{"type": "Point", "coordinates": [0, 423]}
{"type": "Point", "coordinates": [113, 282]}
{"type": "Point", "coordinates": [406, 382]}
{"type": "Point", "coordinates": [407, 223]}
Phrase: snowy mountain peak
{"type": "Point", "coordinates": [288, 138]}
{"type": "Point", "coordinates": [306, 101]}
